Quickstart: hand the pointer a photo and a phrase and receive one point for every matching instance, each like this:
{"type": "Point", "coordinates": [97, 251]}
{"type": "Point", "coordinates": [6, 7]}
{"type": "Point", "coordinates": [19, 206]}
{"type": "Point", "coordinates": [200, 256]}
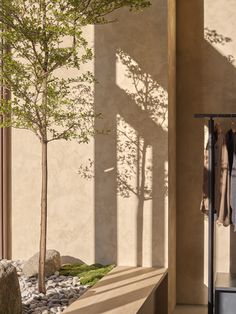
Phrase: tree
{"type": "Point", "coordinates": [40, 38]}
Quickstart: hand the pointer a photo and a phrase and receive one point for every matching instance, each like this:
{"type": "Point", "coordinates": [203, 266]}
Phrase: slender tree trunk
{"type": "Point", "coordinates": [43, 225]}
{"type": "Point", "coordinates": [5, 134]}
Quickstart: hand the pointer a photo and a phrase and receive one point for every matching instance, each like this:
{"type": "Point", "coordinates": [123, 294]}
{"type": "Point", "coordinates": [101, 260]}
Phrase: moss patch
{"type": "Point", "coordinates": [88, 274]}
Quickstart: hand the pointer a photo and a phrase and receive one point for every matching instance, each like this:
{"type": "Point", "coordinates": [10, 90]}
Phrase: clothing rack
{"type": "Point", "coordinates": [211, 192]}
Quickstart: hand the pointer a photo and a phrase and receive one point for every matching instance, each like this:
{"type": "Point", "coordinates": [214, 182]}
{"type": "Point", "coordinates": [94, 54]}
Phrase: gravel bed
{"type": "Point", "coordinates": [61, 292]}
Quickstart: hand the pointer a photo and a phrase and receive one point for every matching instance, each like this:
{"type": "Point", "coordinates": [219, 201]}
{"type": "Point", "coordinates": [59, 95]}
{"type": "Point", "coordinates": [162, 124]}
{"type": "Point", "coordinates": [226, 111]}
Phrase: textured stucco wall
{"type": "Point", "coordinates": [205, 83]}
{"type": "Point", "coordinates": [106, 219]}
{"type": "Point", "coordinates": [172, 153]}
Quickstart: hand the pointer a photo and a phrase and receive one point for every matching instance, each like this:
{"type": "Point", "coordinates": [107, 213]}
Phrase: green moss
{"type": "Point", "coordinates": [88, 274]}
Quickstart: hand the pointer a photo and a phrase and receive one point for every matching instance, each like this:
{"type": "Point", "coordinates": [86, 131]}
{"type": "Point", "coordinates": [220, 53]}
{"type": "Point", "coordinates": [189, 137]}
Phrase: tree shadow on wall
{"type": "Point", "coordinates": [135, 153]}
{"type": "Point", "coordinates": [130, 162]}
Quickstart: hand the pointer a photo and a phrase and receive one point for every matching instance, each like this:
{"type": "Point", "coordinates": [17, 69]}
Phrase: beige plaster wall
{"type": "Point", "coordinates": [120, 214]}
{"type": "Point", "coordinates": [172, 153]}
{"type": "Point", "coordinates": [205, 83]}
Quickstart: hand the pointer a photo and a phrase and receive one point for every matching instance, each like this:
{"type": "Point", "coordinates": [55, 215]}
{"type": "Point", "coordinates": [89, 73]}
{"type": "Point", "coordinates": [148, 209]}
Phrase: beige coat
{"type": "Point", "coordinates": [222, 181]}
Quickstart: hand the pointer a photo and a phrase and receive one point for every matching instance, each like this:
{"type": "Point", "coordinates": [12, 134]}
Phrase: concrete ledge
{"type": "Point", "coordinates": [124, 290]}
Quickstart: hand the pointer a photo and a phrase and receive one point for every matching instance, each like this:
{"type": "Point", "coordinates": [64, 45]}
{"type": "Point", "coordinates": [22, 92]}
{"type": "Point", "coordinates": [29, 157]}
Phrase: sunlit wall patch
{"type": "Point", "coordinates": [142, 89]}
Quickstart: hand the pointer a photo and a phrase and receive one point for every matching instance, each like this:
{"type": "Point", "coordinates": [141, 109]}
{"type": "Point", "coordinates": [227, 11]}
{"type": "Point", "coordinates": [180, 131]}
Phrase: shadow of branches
{"type": "Point", "coordinates": [134, 152]}
{"type": "Point", "coordinates": [137, 150]}
{"type": "Point", "coordinates": [134, 156]}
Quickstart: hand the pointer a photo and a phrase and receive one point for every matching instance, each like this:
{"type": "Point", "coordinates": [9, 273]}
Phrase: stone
{"type": "Point", "coordinates": [10, 296]}
{"type": "Point", "coordinates": [50, 282]}
{"type": "Point", "coordinates": [55, 296]}
{"type": "Point", "coordinates": [70, 260]}
{"type": "Point", "coordinates": [72, 301]}
{"type": "Point", "coordinates": [40, 309]}
{"type": "Point", "coordinates": [54, 276]}
{"type": "Point", "coordinates": [52, 264]}
{"type": "Point", "coordinates": [33, 306]}
{"type": "Point", "coordinates": [75, 281]}
{"type": "Point", "coordinates": [54, 301]}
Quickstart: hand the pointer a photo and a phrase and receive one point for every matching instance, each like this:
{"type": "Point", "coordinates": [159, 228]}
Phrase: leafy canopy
{"type": "Point", "coordinates": [42, 39]}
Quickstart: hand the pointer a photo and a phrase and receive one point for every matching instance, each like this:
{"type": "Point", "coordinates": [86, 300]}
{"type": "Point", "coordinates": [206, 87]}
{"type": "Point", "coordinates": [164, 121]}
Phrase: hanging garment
{"type": "Point", "coordinates": [205, 189]}
{"type": "Point", "coordinates": [231, 146]}
{"type": "Point", "coordinates": [222, 180]}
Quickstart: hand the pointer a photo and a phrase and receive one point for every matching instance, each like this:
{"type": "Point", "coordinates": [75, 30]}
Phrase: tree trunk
{"type": "Point", "coordinates": [43, 225]}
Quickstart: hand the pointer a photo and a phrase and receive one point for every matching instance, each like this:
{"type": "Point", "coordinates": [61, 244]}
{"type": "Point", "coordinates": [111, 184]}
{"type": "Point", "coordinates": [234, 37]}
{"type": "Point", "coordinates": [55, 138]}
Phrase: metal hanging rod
{"type": "Point", "coordinates": [215, 115]}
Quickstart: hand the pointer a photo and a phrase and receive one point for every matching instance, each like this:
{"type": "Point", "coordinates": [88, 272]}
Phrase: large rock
{"type": "Point", "coordinates": [52, 264]}
{"type": "Point", "coordinates": [10, 295]}
{"type": "Point", "coordinates": [67, 259]}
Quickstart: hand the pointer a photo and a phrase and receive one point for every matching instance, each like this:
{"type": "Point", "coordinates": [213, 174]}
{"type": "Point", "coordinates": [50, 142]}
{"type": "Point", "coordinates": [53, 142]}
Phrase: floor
{"type": "Point", "coordinates": [187, 309]}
